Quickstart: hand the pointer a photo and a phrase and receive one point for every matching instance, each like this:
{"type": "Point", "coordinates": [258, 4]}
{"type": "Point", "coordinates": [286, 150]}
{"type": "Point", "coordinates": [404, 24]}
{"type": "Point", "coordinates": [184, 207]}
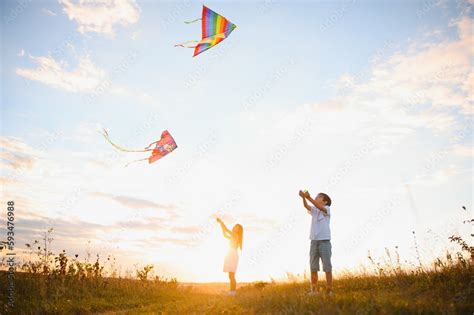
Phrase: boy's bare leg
{"type": "Point", "coordinates": [314, 281]}
{"type": "Point", "coordinates": [329, 281]}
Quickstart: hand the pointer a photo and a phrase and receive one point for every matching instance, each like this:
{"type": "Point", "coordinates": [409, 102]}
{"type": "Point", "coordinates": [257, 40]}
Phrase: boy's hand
{"type": "Point", "coordinates": [218, 220]}
{"type": "Point", "coordinates": [301, 193]}
{"type": "Point", "coordinates": [306, 194]}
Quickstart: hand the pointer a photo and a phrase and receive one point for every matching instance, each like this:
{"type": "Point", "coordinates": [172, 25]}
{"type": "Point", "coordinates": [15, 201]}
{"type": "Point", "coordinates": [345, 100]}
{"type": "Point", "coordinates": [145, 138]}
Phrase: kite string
{"type": "Point", "coordinates": [126, 165]}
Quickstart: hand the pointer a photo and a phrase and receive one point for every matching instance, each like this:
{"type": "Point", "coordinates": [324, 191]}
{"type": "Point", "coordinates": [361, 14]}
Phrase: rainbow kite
{"type": "Point", "coordinates": [215, 28]}
{"type": "Point", "coordinates": [165, 145]}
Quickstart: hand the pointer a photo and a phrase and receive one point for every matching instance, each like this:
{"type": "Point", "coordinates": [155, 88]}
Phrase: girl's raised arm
{"type": "Point", "coordinates": [227, 233]}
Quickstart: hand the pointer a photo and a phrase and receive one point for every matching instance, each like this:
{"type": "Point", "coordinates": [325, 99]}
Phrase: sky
{"type": "Point", "coordinates": [368, 101]}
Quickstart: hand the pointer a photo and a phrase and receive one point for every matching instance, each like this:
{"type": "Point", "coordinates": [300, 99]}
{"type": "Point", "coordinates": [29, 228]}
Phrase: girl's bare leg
{"type": "Point", "coordinates": [233, 283]}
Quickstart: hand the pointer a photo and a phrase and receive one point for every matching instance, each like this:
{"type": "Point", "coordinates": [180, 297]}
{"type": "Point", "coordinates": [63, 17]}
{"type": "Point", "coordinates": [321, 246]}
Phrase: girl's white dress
{"type": "Point", "coordinates": [231, 260]}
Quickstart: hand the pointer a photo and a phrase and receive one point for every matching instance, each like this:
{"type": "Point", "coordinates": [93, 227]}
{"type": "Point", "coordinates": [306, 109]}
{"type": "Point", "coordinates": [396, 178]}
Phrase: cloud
{"type": "Point", "coordinates": [134, 203]}
{"type": "Point", "coordinates": [463, 150]}
{"type": "Point", "coordinates": [17, 161]}
{"type": "Point", "coordinates": [152, 224]}
{"type": "Point", "coordinates": [86, 78]}
{"type": "Point", "coordinates": [53, 73]}
{"type": "Point", "coordinates": [135, 35]}
{"type": "Point", "coordinates": [145, 98]}
{"type": "Point", "coordinates": [190, 229]}
{"type": "Point", "coordinates": [21, 53]}
{"type": "Point", "coordinates": [432, 73]}
{"type": "Point", "coordinates": [252, 222]}
{"type": "Point", "coordinates": [333, 105]}
{"type": "Point", "coordinates": [16, 154]}
{"type": "Point", "coordinates": [69, 233]}
{"type": "Point", "coordinates": [64, 228]}
{"type": "Point", "coordinates": [153, 241]}
{"type": "Point", "coordinates": [440, 176]}
{"type": "Point", "coordinates": [427, 85]}
{"type": "Point", "coordinates": [15, 145]}
{"type": "Point", "coordinates": [100, 16]}
{"type": "Point", "coordinates": [7, 181]}
{"type": "Point", "coordinates": [71, 230]}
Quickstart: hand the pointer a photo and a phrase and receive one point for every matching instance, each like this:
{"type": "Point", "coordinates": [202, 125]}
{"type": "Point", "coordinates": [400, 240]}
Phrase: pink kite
{"type": "Point", "coordinates": [165, 145]}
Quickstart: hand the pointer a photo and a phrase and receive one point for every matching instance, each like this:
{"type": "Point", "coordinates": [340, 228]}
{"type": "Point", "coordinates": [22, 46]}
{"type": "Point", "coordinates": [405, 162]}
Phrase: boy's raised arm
{"type": "Point", "coordinates": [305, 204]}
{"type": "Point", "coordinates": [317, 204]}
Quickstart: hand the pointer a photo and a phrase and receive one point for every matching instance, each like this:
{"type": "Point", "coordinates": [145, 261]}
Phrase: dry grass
{"type": "Point", "coordinates": [58, 284]}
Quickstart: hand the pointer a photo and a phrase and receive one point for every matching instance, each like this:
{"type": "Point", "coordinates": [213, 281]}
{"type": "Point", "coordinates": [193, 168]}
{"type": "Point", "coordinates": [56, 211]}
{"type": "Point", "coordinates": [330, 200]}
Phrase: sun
{"type": "Point", "coordinates": [208, 258]}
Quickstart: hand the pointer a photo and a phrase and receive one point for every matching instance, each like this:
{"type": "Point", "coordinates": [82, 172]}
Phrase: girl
{"type": "Point", "coordinates": [232, 258]}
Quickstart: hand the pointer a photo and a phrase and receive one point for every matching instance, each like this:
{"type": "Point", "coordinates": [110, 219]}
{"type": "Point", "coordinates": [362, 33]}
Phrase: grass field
{"type": "Point", "coordinates": [49, 283]}
{"type": "Point", "coordinates": [447, 290]}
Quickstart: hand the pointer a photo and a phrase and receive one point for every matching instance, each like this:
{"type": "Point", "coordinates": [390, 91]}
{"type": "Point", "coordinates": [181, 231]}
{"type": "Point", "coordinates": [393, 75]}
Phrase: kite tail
{"type": "Point", "coordinates": [185, 44]}
{"type": "Point", "coordinates": [189, 22]}
{"type": "Point", "coordinates": [135, 161]}
{"type": "Point", "coordinates": [207, 40]}
{"type": "Point", "coordinates": [106, 136]}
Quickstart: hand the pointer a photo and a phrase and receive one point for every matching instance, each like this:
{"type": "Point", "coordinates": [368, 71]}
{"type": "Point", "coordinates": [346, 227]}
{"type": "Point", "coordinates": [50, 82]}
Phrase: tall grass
{"type": "Point", "coordinates": [58, 283]}
{"type": "Point", "coordinates": [46, 282]}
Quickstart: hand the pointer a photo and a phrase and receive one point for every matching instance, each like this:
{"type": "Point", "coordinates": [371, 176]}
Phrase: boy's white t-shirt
{"type": "Point", "coordinates": [320, 224]}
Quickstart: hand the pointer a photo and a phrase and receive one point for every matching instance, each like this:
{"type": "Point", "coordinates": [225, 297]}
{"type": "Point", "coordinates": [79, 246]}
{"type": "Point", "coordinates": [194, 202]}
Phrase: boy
{"type": "Point", "coordinates": [320, 236]}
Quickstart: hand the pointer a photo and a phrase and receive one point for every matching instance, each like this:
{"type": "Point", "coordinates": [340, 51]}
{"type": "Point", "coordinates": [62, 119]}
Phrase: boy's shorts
{"type": "Point", "coordinates": [320, 249]}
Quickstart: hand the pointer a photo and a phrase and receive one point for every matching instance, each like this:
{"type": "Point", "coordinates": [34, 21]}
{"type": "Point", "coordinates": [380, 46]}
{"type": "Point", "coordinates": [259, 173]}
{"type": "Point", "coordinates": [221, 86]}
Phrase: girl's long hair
{"type": "Point", "coordinates": [238, 232]}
